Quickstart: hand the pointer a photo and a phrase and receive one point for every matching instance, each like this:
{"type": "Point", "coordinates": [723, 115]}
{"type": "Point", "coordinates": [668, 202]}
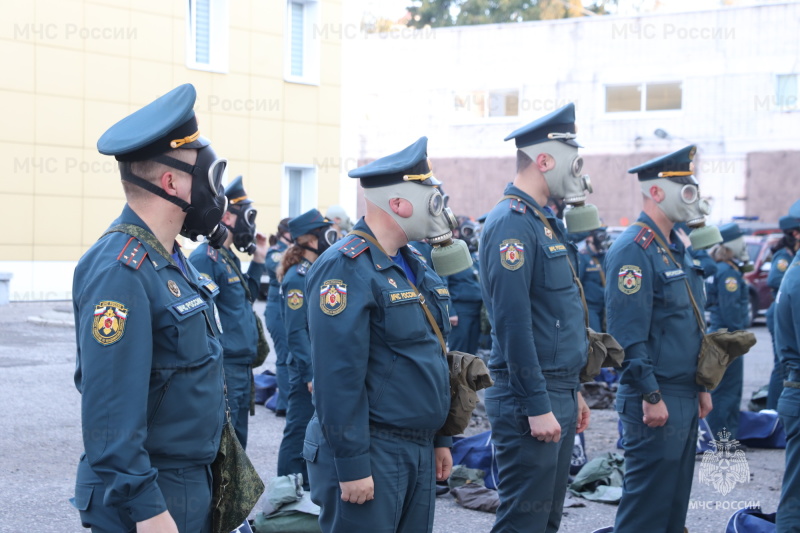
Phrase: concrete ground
{"type": "Point", "coordinates": [41, 442]}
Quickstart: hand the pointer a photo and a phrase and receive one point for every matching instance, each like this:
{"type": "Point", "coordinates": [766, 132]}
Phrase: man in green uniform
{"type": "Point", "coordinates": [235, 301]}
{"type": "Point", "coordinates": [149, 362]}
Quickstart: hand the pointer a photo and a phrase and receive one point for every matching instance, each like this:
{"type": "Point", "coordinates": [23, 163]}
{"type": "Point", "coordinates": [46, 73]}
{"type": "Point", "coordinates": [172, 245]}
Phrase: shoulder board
{"type": "Point", "coordinates": [414, 250]}
{"type": "Point", "coordinates": [517, 205]}
{"type": "Point", "coordinates": [302, 267]}
{"type": "Point", "coordinates": [212, 253]}
{"type": "Point", "coordinates": [354, 247]}
{"type": "Point", "coordinates": [132, 254]}
{"type": "Point", "coordinates": [644, 237]}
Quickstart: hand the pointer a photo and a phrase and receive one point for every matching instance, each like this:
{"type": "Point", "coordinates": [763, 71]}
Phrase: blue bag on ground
{"type": "Point", "coordinates": [763, 429]}
{"type": "Point", "coordinates": [478, 452]}
{"type": "Point", "coordinates": [266, 384]}
{"type": "Point", "coordinates": [751, 521]}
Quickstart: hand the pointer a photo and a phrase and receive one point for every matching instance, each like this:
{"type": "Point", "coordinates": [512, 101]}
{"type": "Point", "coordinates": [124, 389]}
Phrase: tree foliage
{"type": "Point", "coordinates": [441, 13]}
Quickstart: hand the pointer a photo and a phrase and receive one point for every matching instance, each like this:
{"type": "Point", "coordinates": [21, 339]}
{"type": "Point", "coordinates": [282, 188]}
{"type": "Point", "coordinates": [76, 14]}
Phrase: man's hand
{"type": "Point", "coordinates": [160, 523]}
{"type": "Point", "coordinates": [655, 415]}
{"type": "Point", "coordinates": [583, 414]}
{"type": "Point", "coordinates": [454, 321]}
{"type": "Point", "coordinates": [545, 427]}
{"type": "Point", "coordinates": [705, 405]}
{"type": "Point", "coordinates": [358, 491]}
{"type": "Point", "coordinates": [444, 463]}
{"type": "Point", "coordinates": [683, 237]}
{"type": "Point", "coordinates": [310, 386]}
{"type": "Point", "coordinates": [260, 254]}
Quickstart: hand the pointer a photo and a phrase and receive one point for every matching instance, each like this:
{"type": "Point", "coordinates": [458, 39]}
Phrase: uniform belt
{"type": "Point", "coordinates": [418, 436]}
{"type": "Point", "coordinates": [794, 375]}
{"type": "Point", "coordinates": [554, 381]}
{"type": "Point", "coordinates": [792, 384]}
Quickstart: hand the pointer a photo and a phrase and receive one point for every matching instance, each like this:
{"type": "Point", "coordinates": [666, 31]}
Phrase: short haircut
{"type": "Point", "coordinates": [523, 161]}
{"type": "Point", "coordinates": [152, 171]}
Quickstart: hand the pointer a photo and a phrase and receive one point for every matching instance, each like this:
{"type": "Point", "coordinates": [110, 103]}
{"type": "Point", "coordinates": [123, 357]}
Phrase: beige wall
{"type": "Point", "coordinates": [71, 68]}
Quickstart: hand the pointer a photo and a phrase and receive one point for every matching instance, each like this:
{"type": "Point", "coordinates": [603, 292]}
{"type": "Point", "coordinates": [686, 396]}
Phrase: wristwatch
{"type": "Point", "coordinates": [652, 397]}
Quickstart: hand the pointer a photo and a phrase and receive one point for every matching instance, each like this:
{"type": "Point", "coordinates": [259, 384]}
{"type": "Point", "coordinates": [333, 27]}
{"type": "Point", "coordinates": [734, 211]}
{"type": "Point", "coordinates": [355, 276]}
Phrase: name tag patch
{"type": "Point", "coordinates": [402, 296]}
{"type": "Point", "coordinates": [194, 303]}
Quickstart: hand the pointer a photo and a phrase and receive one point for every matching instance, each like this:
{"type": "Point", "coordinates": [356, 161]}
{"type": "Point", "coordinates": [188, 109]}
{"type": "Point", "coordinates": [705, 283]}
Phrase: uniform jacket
{"type": "Point", "coordinates": [295, 318]}
{"type": "Point", "coordinates": [649, 312]}
{"type": "Point", "coordinates": [592, 276]}
{"type": "Point", "coordinates": [780, 262]}
{"type": "Point", "coordinates": [149, 367]}
{"type": "Point", "coordinates": [728, 298]}
{"type": "Point", "coordinates": [274, 256]}
{"type": "Point", "coordinates": [538, 321]}
{"type": "Point", "coordinates": [465, 288]}
{"type": "Point", "coordinates": [377, 361]}
{"type": "Point", "coordinates": [240, 341]}
{"type": "Point", "coordinates": [787, 320]}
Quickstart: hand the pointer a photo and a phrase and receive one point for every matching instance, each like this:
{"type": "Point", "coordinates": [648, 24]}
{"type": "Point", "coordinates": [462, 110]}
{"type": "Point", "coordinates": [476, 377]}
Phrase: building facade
{"type": "Point", "coordinates": [725, 79]}
{"type": "Point", "coordinates": [269, 87]}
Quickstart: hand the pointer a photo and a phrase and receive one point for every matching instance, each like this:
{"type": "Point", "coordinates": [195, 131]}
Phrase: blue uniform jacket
{"type": "Point", "coordinates": [649, 311]}
{"type": "Point", "coordinates": [728, 298]}
{"type": "Point", "coordinates": [464, 287]}
{"type": "Point", "coordinates": [538, 322]}
{"type": "Point", "coordinates": [787, 320]}
{"type": "Point", "coordinates": [240, 341]}
{"type": "Point", "coordinates": [295, 319]}
{"type": "Point", "coordinates": [780, 262]}
{"type": "Point", "coordinates": [703, 262]}
{"type": "Point", "coordinates": [592, 276]}
{"type": "Point", "coordinates": [149, 368]}
{"type": "Point", "coordinates": [377, 361]}
{"type": "Point", "coordinates": [274, 257]}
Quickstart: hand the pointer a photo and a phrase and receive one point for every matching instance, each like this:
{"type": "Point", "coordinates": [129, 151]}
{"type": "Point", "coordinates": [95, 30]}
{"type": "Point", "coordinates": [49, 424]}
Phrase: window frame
{"type": "Point", "coordinates": [311, 43]}
{"type": "Point", "coordinates": [219, 31]}
{"type": "Point", "coordinates": [309, 188]}
{"type": "Point", "coordinates": [779, 105]}
{"type": "Point", "coordinates": [463, 117]}
{"type": "Point", "coordinates": [642, 111]}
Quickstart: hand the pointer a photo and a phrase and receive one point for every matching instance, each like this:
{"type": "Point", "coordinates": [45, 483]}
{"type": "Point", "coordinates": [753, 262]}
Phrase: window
{"type": "Point", "coordinates": [644, 97]}
{"type": "Point", "coordinates": [302, 41]}
{"type": "Point", "coordinates": [299, 191]}
{"type": "Point", "coordinates": [207, 35]}
{"type": "Point", "coordinates": [786, 92]}
{"type": "Point", "coordinates": [486, 104]}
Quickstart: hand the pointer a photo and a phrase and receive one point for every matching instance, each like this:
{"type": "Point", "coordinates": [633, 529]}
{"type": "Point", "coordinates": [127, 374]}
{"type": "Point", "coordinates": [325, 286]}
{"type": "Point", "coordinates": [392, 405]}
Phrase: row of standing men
{"type": "Point", "coordinates": [374, 336]}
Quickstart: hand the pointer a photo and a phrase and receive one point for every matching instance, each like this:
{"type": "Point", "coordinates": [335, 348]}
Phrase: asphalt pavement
{"type": "Point", "coordinates": [42, 441]}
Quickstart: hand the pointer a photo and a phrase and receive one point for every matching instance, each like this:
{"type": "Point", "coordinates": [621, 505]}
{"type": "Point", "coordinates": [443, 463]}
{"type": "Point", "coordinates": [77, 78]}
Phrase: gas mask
{"type": "Point", "coordinates": [468, 231]}
{"type": "Point", "coordinates": [430, 220]}
{"type": "Point", "coordinates": [600, 241]}
{"type": "Point", "coordinates": [326, 236]}
{"type": "Point", "coordinates": [244, 230]}
{"type": "Point", "coordinates": [208, 201]}
{"type": "Point", "coordinates": [740, 255]}
{"type": "Point", "coordinates": [566, 182]}
{"type": "Point", "coordinates": [682, 203]}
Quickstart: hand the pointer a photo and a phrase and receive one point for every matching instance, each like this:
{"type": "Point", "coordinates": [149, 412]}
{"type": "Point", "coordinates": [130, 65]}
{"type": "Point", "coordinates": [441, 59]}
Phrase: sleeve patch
{"type": "Point", "coordinates": [294, 299]}
{"type": "Point", "coordinates": [782, 265]}
{"type": "Point", "coordinates": [512, 254]}
{"type": "Point", "coordinates": [333, 297]}
{"type": "Point", "coordinates": [108, 325]}
{"type": "Point", "coordinates": [731, 284]}
{"type": "Point", "coordinates": [629, 279]}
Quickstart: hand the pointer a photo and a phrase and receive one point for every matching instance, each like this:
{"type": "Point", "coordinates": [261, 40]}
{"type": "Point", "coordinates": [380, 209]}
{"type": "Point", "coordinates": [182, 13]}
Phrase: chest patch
{"type": "Point", "coordinates": [512, 254]}
{"type": "Point", "coordinates": [294, 299]}
{"type": "Point", "coordinates": [333, 296]}
{"type": "Point", "coordinates": [108, 325]}
{"type": "Point", "coordinates": [189, 305]}
{"type": "Point", "coordinates": [731, 284]}
{"type": "Point", "coordinates": [629, 279]}
{"type": "Point", "coordinates": [782, 265]}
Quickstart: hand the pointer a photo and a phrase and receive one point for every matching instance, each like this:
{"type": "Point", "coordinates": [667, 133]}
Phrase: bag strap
{"type": "Point", "coordinates": [420, 296]}
{"type": "Point", "coordinates": [660, 241]}
{"type": "Point", "coordinates": [232, 262]}
{"type": "Point", "coordinates": [575, 277]}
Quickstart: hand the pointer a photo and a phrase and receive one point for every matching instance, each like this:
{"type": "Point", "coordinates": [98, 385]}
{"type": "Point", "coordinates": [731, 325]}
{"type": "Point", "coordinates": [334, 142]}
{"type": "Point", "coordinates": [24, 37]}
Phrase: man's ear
{"type": "Point", "coordinates": [228, 218]}
{"type": "Point", "coordinates": [657, 194]}
{"type": "Point", "coordinates": [394, 204]}
{"type": "Point", "coordinates": [544, 162]}
{"type": "Point", "coordinates": [169, 182]}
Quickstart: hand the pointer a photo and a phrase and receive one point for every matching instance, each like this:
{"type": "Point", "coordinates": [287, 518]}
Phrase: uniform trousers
{"type": "Point", "coordinates": [404, 474]}
{"type": "Point", "coordinates": [659, 463]}
{"type": "Point", "coordinates": [727, 400]}
{"type": "Point", "coordinates": [238, 380]}
{"type": "Point", "coordinates": [277, 332]}
{"type": "Point", "coordinates": [299, 411]}
{"type": "Point", "coordinates": [186, 491]}
{"type": "Point", "coordinates": [533, 474]}
{"type": "Point", "coordinates": [789, 506]}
